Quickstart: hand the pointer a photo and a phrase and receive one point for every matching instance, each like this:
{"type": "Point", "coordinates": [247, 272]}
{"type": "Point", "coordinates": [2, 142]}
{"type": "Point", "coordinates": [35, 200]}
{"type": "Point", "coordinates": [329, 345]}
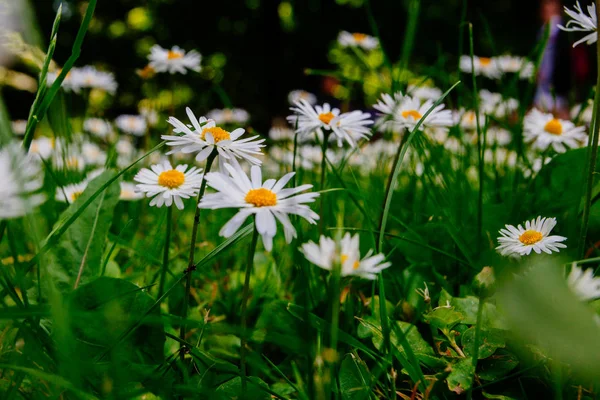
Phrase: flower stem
{"type": "Point", "coordinates": [165, 266]}
{"type": "Point", "coordinates": [323, 169]}
{"type": "Point", "coordinates": [245, 293]}
{"type": "Point", "coordinates": [191, 267]}
{"type": "Point", "coordinates": [592, 156]}
{"type": "Point", "coordinates": [335, 322]}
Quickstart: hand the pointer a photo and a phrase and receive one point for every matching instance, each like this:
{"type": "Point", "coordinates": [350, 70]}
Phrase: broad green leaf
{"type": "Point", "coordinates": [460, 378]}
{"type": "Point", "coordinates": [497, 366]}
{"type": "Point", "coordinates": [444, 318]}
{"type": "Point", "coordinates": [497, 396]}
{"type": "Point", "coordinates": [232, 389]}
{"type": "Point", "coordinates": [489, 341]}
{"type": "Point", "coordinates": [354, 378]}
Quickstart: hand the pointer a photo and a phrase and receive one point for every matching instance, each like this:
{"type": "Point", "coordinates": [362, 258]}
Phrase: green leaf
{"type": "Point", "coordinates": [461, 376]}
{"type": "Point", "coordinates": [497, 396]}
{"type": "Point", "coordinates": [444, 318]}
{"type": "Point", "coordinates": [232, 389]}
{"type": "Point", "coordinates": [497, 366]}
{"type": "Point", "coordinates": [489, 341]}
{"type": "Point", "coordinates": [354, 378]}
{"type": "Point", "coordinates": [77, 257]}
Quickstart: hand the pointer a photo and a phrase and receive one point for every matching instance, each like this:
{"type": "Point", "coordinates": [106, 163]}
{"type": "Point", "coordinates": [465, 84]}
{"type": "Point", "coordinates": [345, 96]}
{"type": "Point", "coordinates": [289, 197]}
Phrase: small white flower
{"type": "Point", "coordinates": [327, 253]}
{"type": "Point", "coordinates": [129, 192]}
{"type": "Point", "coordinates": [174, 61]}
{"type": "Point", "coordinates": [281, 133]}
{"type": "Point", "coordinates": [411, 110]}
{"type": "Point", "coordinates": [21, 177]}
{"type": "Point", "coordinates": [350, 126]}
{"type": "Point", "coordinates": [70, 193]}
{"type": "Point", "coordinates": [585, 116]}
{"type": "Point", "coordinates": [485, 66]}
{"type": "Point", "coordinates": [387, 106]}
{"type": "Point", "coordinates": [535, 236]}
{"type": "Point", "coordinates": [97, 127]}
{"type": "Point", "coordinates": [43, 146]}
{"type": "Point", "coordinates": [203, 136]}
{"type": "Point", "coordinates": [514, 64]}
{"type": "Point", "coordinates": [267, 200]}
{"type": "Point", "coordinates": [494, 104]}
{"type": "Point", "coordinates": [69, 161]}
{"type": "Point", "coordinates": [132, 124]}
{"type": "Point", "coordinates": [91, 78]}
{"type": "Point", "coordinates": [543, 130]}
{"type": "Point", "coordinates": [169, 185]}
{"type": "Point", "coordinates": [229, 116]}
{"type": "Point", "coordinates": [150, 114]}
{"type": "Point", "coordinates": [424, 92]}
{"type": "Point", "coordinates": [583, 283]}
{"type": "Point", "coordinates": [367, 42]}
{"type": "Point", "coordinates": [71, 83]}
{"type": "Point", "coordinates": [93, 154]}
{"type": "Point", "coordinates": [297, 95]}
{"type": "Point", "coordinates": [582, 22]}
{"type": "Point", "coordinates": [467, 119]}
{"type": "Point", "coordinates": [19, 127]}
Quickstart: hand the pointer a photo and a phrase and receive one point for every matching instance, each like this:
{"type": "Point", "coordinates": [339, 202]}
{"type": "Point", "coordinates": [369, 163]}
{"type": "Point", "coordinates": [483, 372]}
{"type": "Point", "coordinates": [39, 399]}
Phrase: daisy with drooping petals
{"type": "Point", "coordinates": [129, 192]}
{"type": "Point", "coordinates": [133, 124]}
{"type": "Point", "coordinates": [583, 283]}
{"type": "Point", "coordinates": [485, 66]}
{"type": "Point", "coordinates": [169, 185]}
{"type": "Point", "coordinates": [229, 116]}
{"type": "Point", "coordinates": [97, 127]}
{"type": "Point", "coordinates": [410, 111]}
{"type": "Point", "coordinates": [350, 126]}
{"type": "Point", "coordinates": [582, 22]}
{"type": "Point", "coordinates": [543, 130]}
{"type": "Point", "coordinates": [70, 193]}
{"type": "Point", "coordinates": [204, 136]}
{"type": "Point", "coordinates": [387, 106]}
{"type": "Point", "coordinates": [21, 178]}
{"type": "Point", "coordinates": [535, 236]}
{"type": "Point", "coordinates": [267, 200]}
{"type": "Point", "coordinates": [174, 61]}
{"type": "Point", "coordinates": [366, 42]}
{"type": "Point", "coordinates": [327, 253]}
{"type": "Point", "coordinates": [297, 95]}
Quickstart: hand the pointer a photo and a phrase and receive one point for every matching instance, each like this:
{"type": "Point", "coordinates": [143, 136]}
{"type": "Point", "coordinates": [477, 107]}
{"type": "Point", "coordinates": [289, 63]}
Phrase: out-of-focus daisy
{"type": "Point", "coordinates": [168, 185]}
{"type": "Point", "coordinates": [229, 116]}
{"type": "Point", "coordinates": [494, 104]}
{"type": "Point", "coordinates": [19, 126]}
{"type": "Point", "coordinates": [97, 127]}
{"type": "Point", "coordinates": [387, 106]}
{"type": "Point", "coordinates": [515, 64]}
{"type": "Point", "coordinates": [582, 22]}
{"type": "Point", "coordinates": [43, 146]}
{"type": "Point", "coordinates": [70, 193]}
{"type": "Point", "coordinates": [297, 95]}
{"type": "Point", "coordinates": [70, 83]}
{"type": "Point", "coordinates": [424, 92]}
{"type": "Point", "coordinates": [585, 116]}
{"type": "Point", "coordinates": [281, 133]}
{"type": "Point", "coordinates": [150, 114]}
{"type": "Point", "coordinates": [519, 241]}
{"type": "Point", "coordinates": [485, 66]}
{"type": "Point", "coordinates": [583, 283]}
{"type": "Point", "coordinates": [68, 160]}
{"type": "Point", "coordinates": [91, 78]}
{"type": "Point", "coordinates": [411, 110]}
{"type": "Point", "coordinates": [129, 192]}
{"type": "Point", "coordinates": [203, 136]}
{"type": "Point", "coordinates": [125, 152]}
{"type": "Point", "coordinates": [132, 124]}
{"type": "Point", "coordinates": [350, 126]}
{"type": "Point", "coordinates": [367, 42]}
{"type": "Point", "coordinates": [93, 154]}
{"type": "Point", "coordinates": [21, 178]}
{"type": "Point", "coordinates": [174, 61]}
{"type": "Point", "coordinates": [498, 136]}
{"type": "Point", "coordinates": [267, 200]}
{"type": "Point", "coordinates": [543, 130]}
{"type": "Point", "coordinates": [327, 253]}
{"type": "Point", "coordinates": [467, 120]}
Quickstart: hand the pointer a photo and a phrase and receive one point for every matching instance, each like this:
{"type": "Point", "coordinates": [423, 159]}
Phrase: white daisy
{"type": "Point", "coordinates": [519, 242]}
{"type": "Point", "coordinates": [174, 61]}
{"type": "Point", "coordinates": [424, 92]}
{"type": "Point", "coordinates": [485, 66]}
{"type": "Point", "coordinates": [70, 193]}
{"type": "Point", "coordinates": [410, 111]}
{"type": "Point", "coordinates": [586, 115]}
{"type": "Point", "coordinates": [582, 22]}
{"type": "Point", "coordinates": [387, 106]}
{"type": "Point", "coordinates": [91, 78]}
{"type": "Point", "coordinates": [204, 136]}
{"type": "Point", "coordinates": [367, 42]}
{"type": "Point", "coordinates": [71, 83]}
{"type": "Point", "coordinates": [281, 133]}
{"type": "Point", "coordinates": [129, 192]}
{"type": "Point", "coordinates": [327, 253]}
{"type": "Point", "coordinates": [350, 126]}
{"type": "Point", "coordinates": [69, 161]}
{"type": "Point", "coordinates": [43, 146]}
{"type": "Point", "coordinates": [267, 200]}
{"type": "Point", "coordinates": [150, 114]}
{"type": "Point", "coordinates": [132, 124]}
{"type": "Point", "coordinates": [97, 127]}
{"type": "Point", "coordinates": [93, 154]}
{"type": "Point", "coordinates": [494, 104]}
{"type": "Point", "coordinates": [297, 95]}
{"type": "Point", "coordinates": [543, 130]}
{"type": "Point", "coordinates": [583, 283]}
{"type": "Point", "coordinates": [21, 177]}
{"type": "Point", "coordinates": [467, 119]}
{"type": "Point", "coordinates": [515, 64]}
{"type": "Point", "coordinates": [168, 185]}
{"type": "Point", "coordinates": [229, 116]}
{"type": "Point", "coordinates": [19, 127]}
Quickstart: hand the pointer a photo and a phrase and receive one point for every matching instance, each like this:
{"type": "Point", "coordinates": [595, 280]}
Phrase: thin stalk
{"type": "Point", "coordinates": [409, 33]}
{"type": "Point", "coordinates": [323, 169]}
{"type": "Point", "coordinates": [245, 293]}
{"type": "Point", "coordinates": [475, 350]}
{"type": "Point", "coordinates": [165, 266]}
{"type": "Point", "coordinates": [335, 322]}
{"type": "Point", "coordinates": [592, 156]}
{"type": "Point", "coordinates": [191, 267]}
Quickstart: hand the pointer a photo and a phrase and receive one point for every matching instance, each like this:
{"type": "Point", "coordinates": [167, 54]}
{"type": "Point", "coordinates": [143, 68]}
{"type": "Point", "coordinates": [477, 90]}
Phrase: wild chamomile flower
{"type": "Point", "coordinates": [129, 192]}
{"type": "Point", "coordinates": [69, 160]}
{"type": "Point", "coordinates": [584, 115]}
{"type": "Point", "coordinates": [168, 185]}
{"type": "Point", "coordinates": [21, 177]}
{"type": "Point", "coordinates": [494, 104]}
{"type": "Point", "coordinates": [514, 64]}
{"type": "Point", "coordinates": [582, 22]}
{"type": "Point", "coordinates": [519, 241]}
{"type": "Point", "coordinates": [583, 283]}
{"type": "Point", "coordinates": [297, 95]}
{"type": "Point", "coordinates": [97, 127]}
{"type": "Point", "coordinates": [70, 193]}
{"type": "Point", "coordinates": [267, 200]}
{"type": "Point", "coordinates": [93, 154]}
{"type": "Point", "coordinates": [467, 119]}
{"type": "Point", "coordinates": [485, 66]}
{"type": "Point", "coordinates": [203, 136]}
{"type": "Point", "coordinates": [71, 83]}
{"type": "Point", "coordinates": [133, 124]}
{"type": "Point", "coordinates": [89, 77]}
{"type": "Point", "coordinates": [410, 111]}
{"type": "Point", "coordinates": [43, 147]}
{"type": "Point", "coordinates": [327, 253]}
{"type": "Point", "coordinates": [543, 130]}
{"type": "Point", "coordinates": [387, 106]}
{"type": "Point", "coordinates": [424, 92]}
{"type": "Point", "coordinates": [174, 61]}
{"type": "Point", "coordinates": [19, 126]}
{"type": "Point", "coordinates": [366, 42]}
{"type": "Point", "coordinates": [350, 126]}
{"type": "Point", "coordinates": [228, 116]}
{"type": "Point", "coordinates": [281, 133]}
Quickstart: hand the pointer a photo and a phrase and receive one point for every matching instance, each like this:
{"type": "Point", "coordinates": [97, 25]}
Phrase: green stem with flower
{"type": "Point", "coordinates": [244, 313]}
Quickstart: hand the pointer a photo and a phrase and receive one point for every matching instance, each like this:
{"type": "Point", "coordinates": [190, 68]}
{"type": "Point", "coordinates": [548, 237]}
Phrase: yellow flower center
{"type": "Point", "coordinates": [470, 117]}
{"type": "Point", "coordinates": [174, 55]}
{"type": "Point", "coordinates": [326, 117]}
{"type": "Point", "coordinates": [359, 37]}
{"type": "Point", "coordinates": [530, 237]}
{"type": "Point", "coordinates": [344, 258]}
{"type": "Point", "coordinates": [261, 197]}
{"type": "Point", "coordinates": [412, 113]}
{"type": "Point", "coordinates": [485, 61]}
{"type": "Point", "coordinates": [75, 195]}
{"type": "Point", "coordinates": [554, 127]}
{"type": "Point", "coordinates": [217, 133]}
{"type": "Point", "coordinates": [171, 179]}
{"type": "Point", "coordinates": [72, 162]}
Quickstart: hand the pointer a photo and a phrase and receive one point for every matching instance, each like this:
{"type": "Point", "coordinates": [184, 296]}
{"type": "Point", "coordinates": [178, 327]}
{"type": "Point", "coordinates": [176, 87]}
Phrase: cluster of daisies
{"type": "Point", "coordinates": [497, 67]}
